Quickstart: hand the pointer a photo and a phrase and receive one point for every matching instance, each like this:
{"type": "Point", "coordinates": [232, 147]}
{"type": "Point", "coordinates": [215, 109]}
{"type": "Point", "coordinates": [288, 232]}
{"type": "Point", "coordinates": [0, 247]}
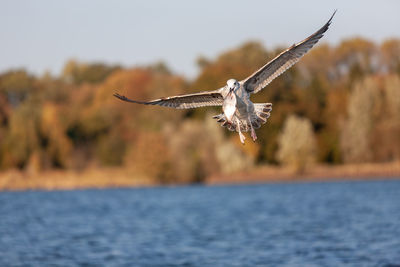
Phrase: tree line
{"type": "Point", "coordinates": [339, 104]}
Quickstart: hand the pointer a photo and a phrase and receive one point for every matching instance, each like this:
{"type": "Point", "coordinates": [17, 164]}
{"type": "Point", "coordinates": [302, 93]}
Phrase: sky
{"type": "Point", "coordinates": [42, 35]}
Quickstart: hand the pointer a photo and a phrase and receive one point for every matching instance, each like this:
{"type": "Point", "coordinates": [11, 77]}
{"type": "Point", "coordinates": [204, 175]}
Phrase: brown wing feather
{"type": "Point", "coordinates": [202, 99]}
{"type": "Point", "coordinates": [262, 77]}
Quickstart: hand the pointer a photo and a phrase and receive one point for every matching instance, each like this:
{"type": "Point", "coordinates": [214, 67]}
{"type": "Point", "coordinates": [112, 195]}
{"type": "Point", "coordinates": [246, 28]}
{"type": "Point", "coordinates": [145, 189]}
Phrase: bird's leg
{"type": "Point", "coordinates": [253, 132]}
{"type": "Point", "coordinates": [242, 137]}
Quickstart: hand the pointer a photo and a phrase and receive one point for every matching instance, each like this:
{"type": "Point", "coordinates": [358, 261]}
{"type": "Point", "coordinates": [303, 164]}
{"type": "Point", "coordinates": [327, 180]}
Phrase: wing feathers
{"type": "Point", "coordinates": [202, 99]}
{"type": "Point", "coordinates": [262, 77]}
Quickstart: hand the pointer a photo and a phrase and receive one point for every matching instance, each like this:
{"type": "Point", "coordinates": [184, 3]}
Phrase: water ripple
{"type": "Point", "coordinates": [305, 224]}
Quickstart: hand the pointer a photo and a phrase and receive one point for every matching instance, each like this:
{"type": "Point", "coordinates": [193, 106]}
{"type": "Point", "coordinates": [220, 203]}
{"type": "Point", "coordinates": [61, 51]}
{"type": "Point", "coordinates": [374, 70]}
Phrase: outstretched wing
{"type": "Point", "coordinates": [262, 77]}
{"type": "Point", "coordinates": [202, 99]}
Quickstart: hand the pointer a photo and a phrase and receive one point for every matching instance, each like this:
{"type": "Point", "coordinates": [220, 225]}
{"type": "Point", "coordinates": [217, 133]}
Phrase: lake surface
{"type": "Point", "coordinates": [303, 224]}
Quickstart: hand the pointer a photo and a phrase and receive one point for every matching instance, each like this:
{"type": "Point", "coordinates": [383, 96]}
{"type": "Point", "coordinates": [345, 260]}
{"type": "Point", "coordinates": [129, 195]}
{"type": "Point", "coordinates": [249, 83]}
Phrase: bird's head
{"type": "Point", "coordinates": [232, 85]}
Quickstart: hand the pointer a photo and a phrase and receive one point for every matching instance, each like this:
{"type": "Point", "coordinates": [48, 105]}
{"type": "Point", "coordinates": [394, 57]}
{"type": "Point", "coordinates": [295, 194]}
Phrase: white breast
{"type": "Point", "coordinates": [229, 106]}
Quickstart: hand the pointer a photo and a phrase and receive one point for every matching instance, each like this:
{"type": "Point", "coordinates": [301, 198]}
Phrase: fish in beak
{"type": "Point", "coordinates": [229, 106]}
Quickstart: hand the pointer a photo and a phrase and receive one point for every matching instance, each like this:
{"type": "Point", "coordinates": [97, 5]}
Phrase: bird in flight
{"type": "Point", "coordinates": [239, 113]}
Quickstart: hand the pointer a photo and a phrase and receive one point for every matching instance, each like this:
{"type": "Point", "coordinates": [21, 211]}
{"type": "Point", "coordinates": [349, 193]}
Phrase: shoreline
{"type": "Point", "coordinates": [319, 173]}
{"type": "Point", "coordinates": [15, 180]}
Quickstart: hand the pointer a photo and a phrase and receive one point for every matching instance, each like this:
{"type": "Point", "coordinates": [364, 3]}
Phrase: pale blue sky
{"type": "Point", "coordinates": [43, 34]}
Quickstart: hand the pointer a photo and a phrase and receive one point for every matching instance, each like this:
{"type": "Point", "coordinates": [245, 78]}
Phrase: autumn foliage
{"type": "Point", "coordinates": [344, 100]}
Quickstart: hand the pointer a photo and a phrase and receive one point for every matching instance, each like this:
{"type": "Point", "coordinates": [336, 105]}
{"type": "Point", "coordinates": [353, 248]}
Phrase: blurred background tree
{"type": "Point", "coordinates": [356, 131]}
{"type": "Point", "coordinates": [339, 104]}
{"type": "Point", "coordinates": [78, 72]}
{"type": "Point", "coordinates": [297, 146]}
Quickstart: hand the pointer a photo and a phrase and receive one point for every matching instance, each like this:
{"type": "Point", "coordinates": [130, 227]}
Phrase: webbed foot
{"type": "Point", "coordinates": [253, 134]}
{"type": "Point", "coordinates": [242, 138]}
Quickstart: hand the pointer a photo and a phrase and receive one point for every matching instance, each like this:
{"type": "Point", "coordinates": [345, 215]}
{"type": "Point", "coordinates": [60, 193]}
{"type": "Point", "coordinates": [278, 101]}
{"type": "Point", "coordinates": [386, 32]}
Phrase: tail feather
{"type": "Point", "coordinates": [260, 116]}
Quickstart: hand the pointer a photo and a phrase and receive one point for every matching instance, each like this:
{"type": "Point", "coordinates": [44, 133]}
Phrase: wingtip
{"type": "Point", "coordinates": [334, 12]}
{"type": "Point", "coordinates": [118, 96]}
{"type": "Point", "coordinates": [330, 19]}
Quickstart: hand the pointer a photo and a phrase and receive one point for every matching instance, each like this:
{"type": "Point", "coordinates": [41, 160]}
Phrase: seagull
{"type": "Point", "coordinates": [239, 113]}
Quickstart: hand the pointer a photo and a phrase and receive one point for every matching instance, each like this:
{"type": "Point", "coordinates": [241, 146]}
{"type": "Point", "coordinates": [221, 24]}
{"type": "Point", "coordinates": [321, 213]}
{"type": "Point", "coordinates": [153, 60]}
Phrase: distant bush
{"type": "Point", "coordinates": [297, 146]}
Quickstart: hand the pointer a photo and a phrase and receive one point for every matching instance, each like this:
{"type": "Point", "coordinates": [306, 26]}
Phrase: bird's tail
{"type": "Point", "coordinates": [262, 111]}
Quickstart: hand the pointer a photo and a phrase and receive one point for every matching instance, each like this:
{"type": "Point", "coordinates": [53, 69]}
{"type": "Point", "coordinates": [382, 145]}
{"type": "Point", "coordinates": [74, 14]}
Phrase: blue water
{"type": "Point", "coordinates": [304, 224]}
